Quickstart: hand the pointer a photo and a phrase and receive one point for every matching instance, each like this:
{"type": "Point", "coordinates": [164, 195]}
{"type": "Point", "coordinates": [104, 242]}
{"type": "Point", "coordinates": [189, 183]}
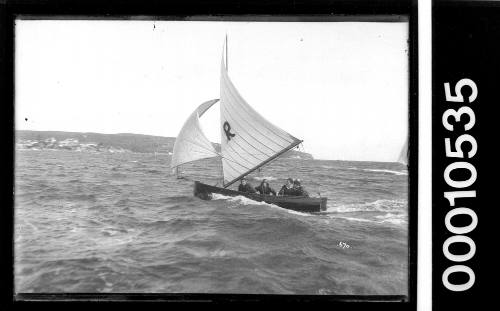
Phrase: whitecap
{"type": "Point", "coordinates": [351, 218]}
{"type": "Point", "coordinates": [246, 201]}
{"type": "Point", "coordinates": [396, 219]}
{"type": "Point", "coordinates": [382, 205]}
{"type": "Point", "coordinates": [291, 211]}
{"type": "Point", "coordinates": [113, 237]}
{"type": "Point", "coordinates": [386, 171]}
{"type": "Point", "coordinates": [388, 218]}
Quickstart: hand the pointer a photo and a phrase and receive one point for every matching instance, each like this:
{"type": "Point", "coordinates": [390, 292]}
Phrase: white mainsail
{"type": "Point", "coordinates": [248, 141]}
{"type": "Point", "coordinates": [403, 155]}
{"type": "Point", "coordinates": [191, 143]}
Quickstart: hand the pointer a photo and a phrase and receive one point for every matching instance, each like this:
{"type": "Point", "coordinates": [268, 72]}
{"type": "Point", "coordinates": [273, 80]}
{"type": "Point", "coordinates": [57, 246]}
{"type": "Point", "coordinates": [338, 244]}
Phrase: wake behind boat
{"type": "Point", "coordinates": [248, 142]}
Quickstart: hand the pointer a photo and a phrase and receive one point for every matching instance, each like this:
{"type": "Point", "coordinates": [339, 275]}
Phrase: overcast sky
{"type": "Point", "coordinates": [342, 87]}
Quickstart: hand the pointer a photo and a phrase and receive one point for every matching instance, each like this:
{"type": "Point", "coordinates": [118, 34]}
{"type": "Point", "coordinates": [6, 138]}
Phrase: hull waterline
{"type": "Point", "coordinates": [296, 203]}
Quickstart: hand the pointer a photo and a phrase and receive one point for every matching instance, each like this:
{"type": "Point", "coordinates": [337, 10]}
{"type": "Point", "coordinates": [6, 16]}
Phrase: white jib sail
{"type": "Point", "coordinates": [191, 144]}
{"type": "Point", "coordinates": [403, 155]}
{"type": "Point", "coordinates": [248, 140]}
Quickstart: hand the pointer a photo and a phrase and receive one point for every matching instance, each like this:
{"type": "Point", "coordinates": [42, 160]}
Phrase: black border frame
{"type": "Point", "coordinates": [126, 9]}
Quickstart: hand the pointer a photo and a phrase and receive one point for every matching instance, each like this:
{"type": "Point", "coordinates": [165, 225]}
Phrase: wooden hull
{"type": "Point", "coordinates": [296, 203]}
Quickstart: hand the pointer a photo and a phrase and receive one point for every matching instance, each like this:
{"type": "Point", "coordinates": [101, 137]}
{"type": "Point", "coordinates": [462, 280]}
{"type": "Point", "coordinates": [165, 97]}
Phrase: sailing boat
{"type": "Point", "coordinates": [248, 142]}
{"type": "Point", "coordinates": [404, 154]}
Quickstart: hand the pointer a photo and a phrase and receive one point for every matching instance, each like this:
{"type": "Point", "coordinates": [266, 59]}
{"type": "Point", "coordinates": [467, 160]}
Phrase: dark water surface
{"type": "Point", "coordinates": [120, 222]}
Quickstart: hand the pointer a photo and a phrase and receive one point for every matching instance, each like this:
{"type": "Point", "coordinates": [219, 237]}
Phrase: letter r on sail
{"type": "Point", "coordinates": [227, 130]}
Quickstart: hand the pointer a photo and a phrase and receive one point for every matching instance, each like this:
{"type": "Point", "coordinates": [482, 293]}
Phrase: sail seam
{"type": "Point", "coordinates": [191, 161]}
{"type": "Point", "coordinates": [234, 151]}
{"type": "Point", "coordinates": [200, 146]}
{"type": "Point", "coordinates": [230, 166]}
{"type": "Point", "coordinates": [252, 145]}
{"type": "Point", "coordinates": [191, 143]}
{"type": "Point", "coordinates": [235, 161]}
{"type": "Point", "coordinates": [233, 92]}
{"type": "Point", "coordinates": [252, 111]}
{"type": "Point", "coordinates": [250, 125]}
{"type": "Point", "coordinates": [209, 103]}
{"type": "Point", "coordinates": [252, 131]}
{"type": "Point", "coordinates": [262, 163]}
{"type": "Point", "coordinates": [282, 135]}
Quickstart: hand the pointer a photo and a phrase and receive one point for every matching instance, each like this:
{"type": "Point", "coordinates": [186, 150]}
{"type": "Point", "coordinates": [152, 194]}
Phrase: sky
{"type": "Point", "coordinates": [342, 87]}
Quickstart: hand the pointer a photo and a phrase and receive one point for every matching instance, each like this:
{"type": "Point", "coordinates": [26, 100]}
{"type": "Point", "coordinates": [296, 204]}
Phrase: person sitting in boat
{"type": "Point", "coordinates": [298, 189]}
{"type": "Point", "coordinates": [287, 189]}
{"type": "Point", "coordinates": [264, 188]}
{"type": "Point", "coordinates": [245, 186]}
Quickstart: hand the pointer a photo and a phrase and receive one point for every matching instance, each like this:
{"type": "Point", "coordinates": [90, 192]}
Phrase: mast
{"type": "Point", "coordinates": [248, 140]}
{"type": "Point", "coordinates": [221, 165]}
{"type": "Point", "coordinates": [221, 170]}
{"type": "Point", "coordinates": [227, 65]}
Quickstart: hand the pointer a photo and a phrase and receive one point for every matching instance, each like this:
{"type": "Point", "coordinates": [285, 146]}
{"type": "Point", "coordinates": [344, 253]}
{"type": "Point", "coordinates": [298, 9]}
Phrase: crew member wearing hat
{"type": "Point", "coordinates": [245, 186]}
{"type": "Point", "coordinates": [298, 189]}
{"type": "Point", "coordinates": [264, 188]}
{"type": "Point", "coordinates": [287, 188]}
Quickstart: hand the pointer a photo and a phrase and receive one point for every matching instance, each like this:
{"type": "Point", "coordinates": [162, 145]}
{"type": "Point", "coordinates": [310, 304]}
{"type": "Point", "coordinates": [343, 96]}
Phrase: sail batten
{"type": "Point", "coordinates": [248, 140]}
{"type": "Point", "coordinates": [191, 144]}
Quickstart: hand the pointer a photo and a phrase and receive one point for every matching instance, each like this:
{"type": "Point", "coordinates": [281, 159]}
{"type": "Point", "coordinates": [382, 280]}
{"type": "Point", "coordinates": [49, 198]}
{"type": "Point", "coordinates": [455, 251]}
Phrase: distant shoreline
{"type": "Point", "coordinates": [113, 143]}
{"type": "Point", "coordinates": [129, 142]}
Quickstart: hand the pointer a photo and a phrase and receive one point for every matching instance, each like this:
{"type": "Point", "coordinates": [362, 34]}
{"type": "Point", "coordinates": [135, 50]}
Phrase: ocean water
{"type": "Point", "coordinates": [122, 223]}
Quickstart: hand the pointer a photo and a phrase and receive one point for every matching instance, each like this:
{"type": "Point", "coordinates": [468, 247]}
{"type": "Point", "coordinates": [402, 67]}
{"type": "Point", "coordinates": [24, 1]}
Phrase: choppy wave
{"type": "Point", "coordinates": [397, 219]}
{"type": "Point", "coordinates": [265, 177]}
{"type": "Point", "coordinates": [122, 223]}
{"type": "Point", "coordinates": [378, 205]}
{"type": "Point", "coordinates": [239, 199]}
{"type": "Point", "coordinates": [394, 219]}
{"type": "Point", "coordinates": [387, 171]}
{"type": "Point", "coordinates": [244, 201]}
{"type": "Point", "coordinates": [393, 212]}
{"type": "Point", "coordinates": [384, 171]}
{"type": "Point", "coordinates": [350, 218]}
